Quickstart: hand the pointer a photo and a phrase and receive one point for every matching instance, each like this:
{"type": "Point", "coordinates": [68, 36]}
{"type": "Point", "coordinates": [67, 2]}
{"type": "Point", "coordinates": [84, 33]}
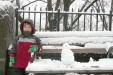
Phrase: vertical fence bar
{"type": "Point", "coordinates": [58, 19]}
{"type": "Point", "coordinates": [78, 21]}
{"type": "Point", "coordinates": [91, 21]}
{"type": "Point", "coordinates": [16, 14]}
{"type": "Point", "coordinates": [103, 23]}
{"type": "Point", "coordinates": [29, 13]}
{"type": "Point", "coordinates": [40, 19]}
{"type": "Point", "coordinates": [64, 28]}
{"type": "Point", "coordinates": [23, 14]}
{"type": "Point", "coordinates": [84, 22]}
{"type": "Point", "coordinates": [71, 19]}
{"type": "Point", "coordinates": [52, 19]}
{"type": "Point", "coordinates": [46, 21]}
{"type": "Point", "coordinates": [110, 20]}
{"type": "Point", "coordinates": [34, 17]}
{"type": "Point", "coordinates": [97, 22]}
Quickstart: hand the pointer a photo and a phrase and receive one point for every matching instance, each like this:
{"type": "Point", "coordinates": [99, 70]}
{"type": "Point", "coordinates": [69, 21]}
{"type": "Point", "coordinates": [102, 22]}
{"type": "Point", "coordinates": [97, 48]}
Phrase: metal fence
{"type": "Point", "coordinates": [76, 21]}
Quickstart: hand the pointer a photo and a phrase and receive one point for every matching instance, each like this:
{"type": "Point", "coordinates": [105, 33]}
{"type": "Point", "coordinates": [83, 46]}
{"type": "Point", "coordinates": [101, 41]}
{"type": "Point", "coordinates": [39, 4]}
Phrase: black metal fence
{"type": "Point", "coordinates": [76, 21]}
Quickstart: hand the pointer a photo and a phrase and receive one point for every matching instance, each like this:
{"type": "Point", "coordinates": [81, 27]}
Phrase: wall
{"type": "Point", "coordinates": [7, 32]}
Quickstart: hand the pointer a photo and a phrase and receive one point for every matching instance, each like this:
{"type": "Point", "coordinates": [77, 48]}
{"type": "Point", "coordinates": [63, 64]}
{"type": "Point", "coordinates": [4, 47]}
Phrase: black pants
{"type": "Point", "coordinates": [20, 71]}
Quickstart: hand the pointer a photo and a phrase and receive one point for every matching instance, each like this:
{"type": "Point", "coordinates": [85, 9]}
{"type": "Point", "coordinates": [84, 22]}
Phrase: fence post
{"type": "Point", "coordinates": [40, 19]}
{"type": "Point", "coordinates": [91, 21]}
{"type": "Point", "coordinates": [58, 20]}
{"type": "Point", "coordinates": [71, 19]}
{"type": "Point", "coordinates": [16, 14]}
{"type": "Point", "coordinates": [46, 21]}
{"type": "Point", "coordinates": [110, 21]}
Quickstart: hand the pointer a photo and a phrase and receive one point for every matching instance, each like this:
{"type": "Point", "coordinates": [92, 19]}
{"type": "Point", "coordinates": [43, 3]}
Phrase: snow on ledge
{"type": "Point", "coordinates": [74, 34]}
{"type": "Point", "coordinates": [44, 65]}
{"type": "Point", "coordinates": [73, 37]}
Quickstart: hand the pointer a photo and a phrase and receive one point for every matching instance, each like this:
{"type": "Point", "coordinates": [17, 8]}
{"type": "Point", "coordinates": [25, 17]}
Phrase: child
{"type": "Point", "coordinates": [23, 45]}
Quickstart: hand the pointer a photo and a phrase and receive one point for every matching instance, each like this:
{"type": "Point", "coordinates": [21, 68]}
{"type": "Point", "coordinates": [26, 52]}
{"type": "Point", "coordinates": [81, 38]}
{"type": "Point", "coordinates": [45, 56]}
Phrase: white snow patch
{"type": "Point", "coordinates": [5, 3]}
{"type": "Point", "coordinates": [44, 65]}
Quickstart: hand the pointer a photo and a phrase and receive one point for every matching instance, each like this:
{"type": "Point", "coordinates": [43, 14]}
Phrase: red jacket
{"type": "Point", "coordinates": [21, 45]}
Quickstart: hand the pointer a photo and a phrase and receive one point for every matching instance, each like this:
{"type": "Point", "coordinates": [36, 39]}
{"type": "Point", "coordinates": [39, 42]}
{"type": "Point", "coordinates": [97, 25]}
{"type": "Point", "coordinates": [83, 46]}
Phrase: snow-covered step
{"type": "Point", "coordinates": [75, 37]}
{"type": "Point", "coordinates": [101, 66]}
{"type": "Point", "coordinates": [79, 41]}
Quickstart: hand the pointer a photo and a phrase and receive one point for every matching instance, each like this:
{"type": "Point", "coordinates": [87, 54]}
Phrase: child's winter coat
{"type": "Point", "coordinates": [21, 45]}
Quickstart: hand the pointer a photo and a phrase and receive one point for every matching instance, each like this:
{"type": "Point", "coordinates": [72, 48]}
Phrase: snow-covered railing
{"type": "Point", "coordinates": [62, 12]}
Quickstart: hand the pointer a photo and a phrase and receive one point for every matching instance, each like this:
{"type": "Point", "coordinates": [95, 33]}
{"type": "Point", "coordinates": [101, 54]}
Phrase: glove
{"type": "Point", "coordinates": [12, 61]}
{"type": "Point", "coordinates": [33, 48]}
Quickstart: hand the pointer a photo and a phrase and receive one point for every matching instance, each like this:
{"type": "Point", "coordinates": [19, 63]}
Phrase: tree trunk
{"type": "Point", "coordinates": [65, 18]}
{"type": "Point", "coordinates": [49, 5]}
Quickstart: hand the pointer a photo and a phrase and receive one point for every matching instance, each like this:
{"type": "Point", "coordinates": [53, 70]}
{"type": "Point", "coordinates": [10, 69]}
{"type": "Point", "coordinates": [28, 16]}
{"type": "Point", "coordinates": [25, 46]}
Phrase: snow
{"type": "Point", "coordinates": [75, 37]}
{"type": "Point", "coordinates": [100, 39]}
{"type": "Point", "coordinates": [75, 33]}
{"type": "Point", "coordinates": [90, 39]}
{"type": "Point", "coordinates": [57, 65]}
{"type": "Point", "coordinates": [94, 39]}
{"type": "Point", "coordinates": [5, 4]}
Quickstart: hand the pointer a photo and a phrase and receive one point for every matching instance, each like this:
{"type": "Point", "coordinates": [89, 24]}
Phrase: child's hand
{"type": "Point", "coordinates": [12, 61]}
{"type": "Point", "coordinates": [33, 48]}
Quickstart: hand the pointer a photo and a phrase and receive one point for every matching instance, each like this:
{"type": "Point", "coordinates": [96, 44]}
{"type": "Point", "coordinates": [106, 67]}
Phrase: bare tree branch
{"type": "Point", "coordinates": [57, 4]}
{"type": "Point", "coordinates": [32, 2]}
{"type": "Point", "coordinates": [90, 5]}
{"type": "Point", "coordinates": [84, 10]}
{"type": "Point", "coordinates": [111, 5]}
{"type": "Point", "coordinates": [18, 3]}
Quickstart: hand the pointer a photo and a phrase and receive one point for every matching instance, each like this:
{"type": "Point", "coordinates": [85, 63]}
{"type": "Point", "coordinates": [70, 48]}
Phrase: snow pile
{"type": "Point", "coordinates": [55, 65]}
{"type": "Point", "coordinates": [108, 45]}
{"type": "Point", "coordinates": [72, 74]}
{"type": "Point", "coordinates": [95, 45]}
{"type": "Point", "coordinates": [75, 37]}
{"type": "Point", "coordinates": [74, 34]}
{"type": "Point", "coordinates": [67, 56]}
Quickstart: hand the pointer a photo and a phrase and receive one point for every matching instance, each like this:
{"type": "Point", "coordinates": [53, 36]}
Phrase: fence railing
{"type": "Point", "coordinates": [66, 21]}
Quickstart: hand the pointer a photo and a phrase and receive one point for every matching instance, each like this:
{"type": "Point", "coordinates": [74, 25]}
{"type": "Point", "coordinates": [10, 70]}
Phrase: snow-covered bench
{"type": "Point", "coordinates": [92, 43]}
{"type": "Point", "coordinates": [84, 45]}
